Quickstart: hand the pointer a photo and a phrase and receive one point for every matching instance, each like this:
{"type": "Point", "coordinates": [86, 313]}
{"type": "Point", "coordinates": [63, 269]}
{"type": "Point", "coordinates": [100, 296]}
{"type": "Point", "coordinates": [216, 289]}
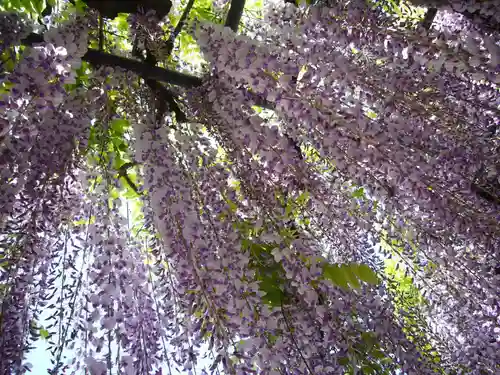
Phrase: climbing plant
{"type": "Point", "coordinates": [249, 188]}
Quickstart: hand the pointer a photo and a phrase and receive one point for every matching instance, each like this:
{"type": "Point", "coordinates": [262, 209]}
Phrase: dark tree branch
{"type": "Point", "coordinates": [234, 14]}
{"type": "Point", "coordinates": [101, 33]}
{"type": "Point", "coordinates": [488, 189]}
{"type": "Point", "coordinates": [122, 172]}
{"type": "Point", "coordinates": [294, 340]}
{"type": "Point", "coordinates": [484, 193]}
{"type": "Point", "coordinates": [144, 70]}
{"type": "Point", "coordinates": [429, 18]}
{"type": "Point", "coordinates": [166, 96]}
{"type": "Point", "coordinates": [258, 100]}
{"type": "Point", "coordinates": [179, 25]}
{"type": "Point", "coordinates": [150, 73]}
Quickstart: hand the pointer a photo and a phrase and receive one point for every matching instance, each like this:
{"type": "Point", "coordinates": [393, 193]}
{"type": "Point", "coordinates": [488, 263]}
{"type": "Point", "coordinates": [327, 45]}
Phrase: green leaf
{"type": "Point", "coordinates": [114, 194]}
{"type": "Point", "coordinates": [38, 5]}
{"type": "Point", "coordinates": [288, 209]}
{"type": "Point", "coordinates": [359, 193]}
{"type": "Point", "coordinates": [119, 125]}
{"type": "Point", "coordinates": [130, 194]}
{"type": "Point", "coordinates": [121, 23]}
{"type": "Point", "coordinates": [34, 6]}
{"type": "Point", "coordinates": [369, 339]}
{"type": "Point", "coordinates": [368, 370]}
{"type": "Point", "coordinates": [117, 161]}
{"type": "Point", "coordinates": [5, 87]}
{"type": "Point", "coordinates": [203, 13]}
{"type": "Point", "coordinates": [271, 283]}
{"type": "Point", "coordinates": [366, 274]}
{"type": "Point", "coordinates": [80, 6]}
{"type": "Point", "coordinates": [350, 275]}
{"type": "Point", "coordinates": [44, 334]}
{"type": "Point", "coordinates": [303, 198]}
{"type": "Point", "coordinates": [344, 361]}
{"type": "Point", "coordinates": [377, 354]}
{"type": "Point", "coordinates": [274, 295]}
{"type": "Point", "coordinates": [84, 221]}
{"type": "Point", "coordinates": [334, 273]}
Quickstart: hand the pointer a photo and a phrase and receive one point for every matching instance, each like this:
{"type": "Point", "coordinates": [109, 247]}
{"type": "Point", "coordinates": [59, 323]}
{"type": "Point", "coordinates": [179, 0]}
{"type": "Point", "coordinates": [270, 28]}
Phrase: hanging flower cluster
{"type": "Point", "coordinates": [384, 131]}
{"type": "Point", "coordinates": [317, 148]}
{"type": "Point", "coordinates": [40, 132]}
{"type": "Point", "coordinates": [148, 34]}
{"type": "Point", "coordinates": [207, 257]}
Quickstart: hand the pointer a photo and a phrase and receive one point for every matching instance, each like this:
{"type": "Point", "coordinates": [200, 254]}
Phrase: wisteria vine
{"type": "Point", "coordinates": [248, 229]}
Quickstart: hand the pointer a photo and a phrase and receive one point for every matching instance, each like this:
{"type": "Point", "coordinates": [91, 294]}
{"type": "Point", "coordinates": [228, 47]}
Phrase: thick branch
{"type": "Point", "coordinates": [234, 14]}
{"type": "Point", "coordinates": [166, 96]}
{"type": "Point", "coordinates": [146, 71]}
{"type": "Point", "coordinates": [101, 33]}
{"type": "Point", "coordinates": [171, 39]}
{"type": "Point", "coordinates": [429, 18]}
{"type": "Point", "coordinates": [181, 22]}
{"type": "Point", "coordinates": [122, 172]}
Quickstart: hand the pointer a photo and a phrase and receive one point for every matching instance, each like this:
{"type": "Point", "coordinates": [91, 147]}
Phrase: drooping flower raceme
{"type": "Point", "coordinates": [314, 150]}
{"type": "Point", "coordinates": [376, 137]}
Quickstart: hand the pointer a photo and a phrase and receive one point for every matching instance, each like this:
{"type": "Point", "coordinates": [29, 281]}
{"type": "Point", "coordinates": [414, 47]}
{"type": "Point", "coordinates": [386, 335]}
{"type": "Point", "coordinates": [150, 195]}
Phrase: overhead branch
{"type": "Point", "coordinates": [122, 172]}
{"type": "Point", "coordinates": [144, 70]}
{"type": "Point", "coordinates": [150, 73]}
{"type": "Point", "coordinates": [429, 18]}
{"type": "Point", "coordinates": [179, 25]}
{"type": "Point", "coordinates": [165, 99]}
{"type": "Point", "coordinates": [101, 33]}
{"type": "Point", "coordinates": [166, 96]}
{"type": "Point", "coordinates": [234, 14]}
